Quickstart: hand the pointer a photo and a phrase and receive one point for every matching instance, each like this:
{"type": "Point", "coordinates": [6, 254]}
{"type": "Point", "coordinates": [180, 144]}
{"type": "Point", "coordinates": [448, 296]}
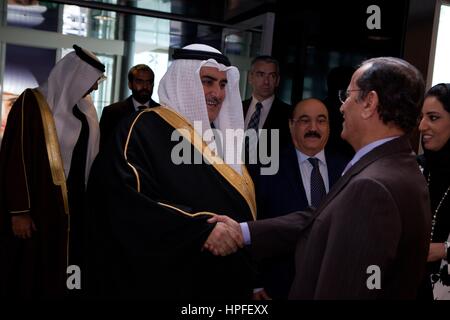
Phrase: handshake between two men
{"type": "Point", "coordinates": [226, 237]}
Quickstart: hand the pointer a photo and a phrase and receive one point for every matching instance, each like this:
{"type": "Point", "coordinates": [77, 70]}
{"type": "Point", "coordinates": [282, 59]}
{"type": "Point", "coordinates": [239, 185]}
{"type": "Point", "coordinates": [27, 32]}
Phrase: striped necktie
{"type": "Point", "coordinates": [253, 124]}
{"type": "Point", "coordinates": [254, 120]}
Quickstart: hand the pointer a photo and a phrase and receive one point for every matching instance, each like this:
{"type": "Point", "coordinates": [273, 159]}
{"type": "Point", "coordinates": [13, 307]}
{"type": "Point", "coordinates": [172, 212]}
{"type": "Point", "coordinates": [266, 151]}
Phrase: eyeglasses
{"type": "Point", "coordinates": [343, 94]}
{"type": "Point", "coordinates": [306, 121]}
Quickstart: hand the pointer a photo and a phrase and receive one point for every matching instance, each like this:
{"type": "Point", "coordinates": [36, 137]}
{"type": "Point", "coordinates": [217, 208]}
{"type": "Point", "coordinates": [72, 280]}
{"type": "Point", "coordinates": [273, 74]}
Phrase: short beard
{"type": "Point", "coordinates": [141, 98]}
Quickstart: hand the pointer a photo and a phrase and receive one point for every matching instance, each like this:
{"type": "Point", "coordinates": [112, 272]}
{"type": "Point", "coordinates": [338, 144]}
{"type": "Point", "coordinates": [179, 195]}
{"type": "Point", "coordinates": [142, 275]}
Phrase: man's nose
{"type": "Point", "coordinates": [215, 90]}
{"type": "Point", "coordinates": [313, 125]}
{"type": "Point", "coordinates": [147, 84]}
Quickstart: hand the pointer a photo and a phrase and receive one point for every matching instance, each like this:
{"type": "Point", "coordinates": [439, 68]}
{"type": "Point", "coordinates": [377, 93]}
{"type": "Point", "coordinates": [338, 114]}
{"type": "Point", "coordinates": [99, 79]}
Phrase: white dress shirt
{"type": "Point", "coordinates": [138, 104]}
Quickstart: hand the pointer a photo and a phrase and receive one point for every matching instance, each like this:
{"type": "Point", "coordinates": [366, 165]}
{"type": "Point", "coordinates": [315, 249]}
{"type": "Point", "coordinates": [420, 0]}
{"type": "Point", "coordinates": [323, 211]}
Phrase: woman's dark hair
{"type": "Point", "coordinates": [442, 92]}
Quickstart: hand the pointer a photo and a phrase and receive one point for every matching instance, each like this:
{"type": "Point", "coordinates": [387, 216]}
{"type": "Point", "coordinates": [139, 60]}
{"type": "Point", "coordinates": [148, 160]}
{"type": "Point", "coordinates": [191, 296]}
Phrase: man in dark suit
{"type": "Point", "coordinates": [140, 82]}
{"type": "Point", "coordinates": [290, 189]}
{"type": "Point", "coordinates": [263, 110]}
{"type": "Point", "coordinates": [369, 237]}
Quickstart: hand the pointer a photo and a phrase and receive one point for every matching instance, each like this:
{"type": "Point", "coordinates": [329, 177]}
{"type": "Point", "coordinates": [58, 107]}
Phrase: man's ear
{"type": "Point", "coordinates": [291, 125]}
{"type": "Point", "coordinates": [277, 82]}
{"type": "Point", "coordinates": [370, 105]}
{"type": "Point", "coordinates": [130, 86]}
{"type": "Point", "coordinates": [250, 78]}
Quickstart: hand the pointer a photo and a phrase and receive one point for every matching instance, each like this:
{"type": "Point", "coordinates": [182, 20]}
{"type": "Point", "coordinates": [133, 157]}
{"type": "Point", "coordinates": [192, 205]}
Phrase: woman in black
{"type": "Point", "coordinates": [435, 130]}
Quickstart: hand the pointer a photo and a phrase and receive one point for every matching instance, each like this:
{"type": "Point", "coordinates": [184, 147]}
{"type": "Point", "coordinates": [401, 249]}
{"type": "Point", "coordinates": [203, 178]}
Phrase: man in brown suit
{"type": "Point", "coordinates": [368, 239]}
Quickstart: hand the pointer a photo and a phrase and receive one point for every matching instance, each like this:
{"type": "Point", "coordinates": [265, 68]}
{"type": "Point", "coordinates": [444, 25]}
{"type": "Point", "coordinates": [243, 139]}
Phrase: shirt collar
{"type": "Point", "coordinates": [369, 147]}
{"type": "Point", "coordinates": [303, 157]}
{"type": "Point", "coordinates": [137, 104]}
{"type": "Point", "coordinates": [266, 103]}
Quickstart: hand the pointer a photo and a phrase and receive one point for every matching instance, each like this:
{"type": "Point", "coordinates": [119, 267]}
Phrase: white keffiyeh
{"type": "Point", "coordinates": [68, 81]}
{"type": "Point", "coordinates": [181, 89]}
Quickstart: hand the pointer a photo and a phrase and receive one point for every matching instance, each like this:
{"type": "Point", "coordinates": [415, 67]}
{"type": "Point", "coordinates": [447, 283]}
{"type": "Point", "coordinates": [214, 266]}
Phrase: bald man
{"type": "Point", "coordinates": [290, 189]}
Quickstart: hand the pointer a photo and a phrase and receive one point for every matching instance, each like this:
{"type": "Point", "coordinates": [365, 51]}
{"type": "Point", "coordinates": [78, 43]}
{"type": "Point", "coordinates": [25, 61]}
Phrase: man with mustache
{"type": "Point", "coordinates": [140, 81]}
{"type": "Point", "coordinates": [294, 187]}
{"type": "Point", "coordinates": [149, 212]}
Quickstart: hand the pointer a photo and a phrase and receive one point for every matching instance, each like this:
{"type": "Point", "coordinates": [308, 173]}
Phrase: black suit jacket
{"type": "Point", "coordinates": [377, 215]}
{"type": "Point", "coordinates": [278, 118]}
{"type": "Point", "coordinates": [113, 114]}
{"type": "Point", "coordinates": [281, 194]}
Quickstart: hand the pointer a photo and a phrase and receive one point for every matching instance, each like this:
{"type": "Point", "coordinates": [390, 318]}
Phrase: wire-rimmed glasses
{"type": "Point", "coordinates": [343, 94]}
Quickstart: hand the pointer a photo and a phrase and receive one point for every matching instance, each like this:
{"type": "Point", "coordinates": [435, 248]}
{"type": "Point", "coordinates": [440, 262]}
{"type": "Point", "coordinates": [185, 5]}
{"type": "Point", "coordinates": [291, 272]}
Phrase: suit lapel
{"type": "Point", "coordinates": [130, 105]}
{"type": "Point", "coordinates": [153, 103]}
{"type": "Point", "coordinates": [293, 174]}
{"type": "Point", "coordinates": [272, 116]}
{"type": "Point", "coordinates": [246, 106]}
{"type": "Point", "coordinates": [394, 146]}
{"type": "Point", "coordinates": [335, 167]}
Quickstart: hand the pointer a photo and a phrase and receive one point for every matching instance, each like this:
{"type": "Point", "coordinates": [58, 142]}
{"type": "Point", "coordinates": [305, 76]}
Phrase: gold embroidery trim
{"type": "Point", "coordinates": [23, 157]}
{"type": "Point", "coordinates": [53, 151]}
{"type": "Point", "coordinates": [20, 211]}
{"type": "Point", "coordinates": [192, 215]}
{"type": "Point", "coordinates": [125, 151]}
{"type": "Point", "coordinates": [243, 184]}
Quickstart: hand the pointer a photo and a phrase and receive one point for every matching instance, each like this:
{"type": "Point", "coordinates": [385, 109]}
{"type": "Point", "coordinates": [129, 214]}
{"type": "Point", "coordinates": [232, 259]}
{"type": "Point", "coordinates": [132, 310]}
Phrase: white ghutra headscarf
{"type": "Point", "coordinates": [181, 89]}
{"type": "Point", "coordinates": [68, 82]}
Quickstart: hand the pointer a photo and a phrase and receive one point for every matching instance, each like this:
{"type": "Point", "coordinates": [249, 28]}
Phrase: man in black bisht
{"type": "Point", "coordinates": [150, 200]}
{"type": "Point", "coordinates": [50, 142]}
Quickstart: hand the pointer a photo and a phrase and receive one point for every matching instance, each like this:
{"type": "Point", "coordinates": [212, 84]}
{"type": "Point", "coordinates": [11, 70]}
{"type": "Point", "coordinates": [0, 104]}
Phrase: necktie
{"type": "Point", "coordinates": [317, 186]}
{"type": "Point", "coordinates": [253, 124]}
{"type": "Point", "coordinates": [140, 108]}
{"type": "Point", "coordinates": [254, 120]}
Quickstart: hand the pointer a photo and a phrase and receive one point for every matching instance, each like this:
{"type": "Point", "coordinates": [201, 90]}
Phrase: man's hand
{"type": "Point", "coordinates": [261, 295]}
{"type": "Point", "coordinates": [436, 252]}
{"type": "Point", "coordinates": [225, 238]}
{"type": "Point", "coordinates": [23, 226]}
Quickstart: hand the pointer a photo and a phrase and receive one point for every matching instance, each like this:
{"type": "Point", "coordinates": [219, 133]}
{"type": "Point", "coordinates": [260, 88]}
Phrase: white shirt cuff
{"type": "Point", "coordinates": [245, 233]}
